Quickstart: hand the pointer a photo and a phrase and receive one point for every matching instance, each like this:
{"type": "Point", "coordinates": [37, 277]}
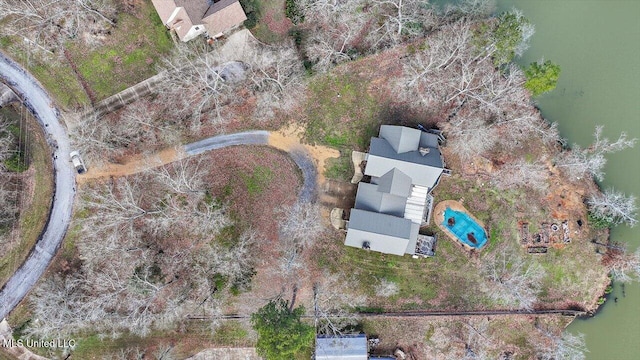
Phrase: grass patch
{"type": "Point", "coordinates": [60, 81]}
{"type": "Point", "coordinates": [128, 56]}
{"type": "Point", "coordinates": [34, 216]}
{"type": "Point", "coordinates": [258, 180]}
{"type": "Point", "coordinates": [265, 18]}
{"type": "Point", "coordinates": [340, 168]}
{"type": "Point", "coordinates": [412, 276]}
{"type": "Point", "coordinates": [230, 333]}
{"type": "Point", "coordinates": [341, 114]}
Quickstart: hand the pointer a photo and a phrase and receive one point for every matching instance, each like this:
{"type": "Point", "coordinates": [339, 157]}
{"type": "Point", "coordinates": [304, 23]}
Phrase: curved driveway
{"type": "Point", "coordinates": [38, 102]}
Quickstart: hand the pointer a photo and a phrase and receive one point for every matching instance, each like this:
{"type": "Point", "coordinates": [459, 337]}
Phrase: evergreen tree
{"type": "Point", "coordinates": [541, 77]}
{"type": "Point", "coordinates": [281, 334]}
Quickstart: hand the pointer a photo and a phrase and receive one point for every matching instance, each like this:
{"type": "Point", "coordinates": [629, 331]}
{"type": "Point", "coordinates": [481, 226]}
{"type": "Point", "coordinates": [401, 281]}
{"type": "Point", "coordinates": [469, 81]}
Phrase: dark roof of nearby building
{"type": "Point", "coordinates": [195, 9]}
{"type": "Point", "coordinates": [217, 6]}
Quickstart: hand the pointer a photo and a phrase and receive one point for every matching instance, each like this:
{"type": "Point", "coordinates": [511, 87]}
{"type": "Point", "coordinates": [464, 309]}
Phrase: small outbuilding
{"type": "Point", "coordinates": [344, 347]}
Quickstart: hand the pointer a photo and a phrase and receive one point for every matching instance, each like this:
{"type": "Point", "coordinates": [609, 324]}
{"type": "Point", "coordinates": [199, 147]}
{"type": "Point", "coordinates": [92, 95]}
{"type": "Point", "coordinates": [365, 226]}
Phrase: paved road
{"type": "Point", "coordinates": [300, 156]}
{"type": "Point", "coordinates": [309, 174]}
{"type": "Point", "coordinates": [39, 103]}
{"type": "Point", "coordinates": [221, 141]}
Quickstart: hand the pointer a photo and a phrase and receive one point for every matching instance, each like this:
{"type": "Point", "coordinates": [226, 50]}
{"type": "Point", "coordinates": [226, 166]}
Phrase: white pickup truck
{"type": "Point", "coordinates": [77, 162]}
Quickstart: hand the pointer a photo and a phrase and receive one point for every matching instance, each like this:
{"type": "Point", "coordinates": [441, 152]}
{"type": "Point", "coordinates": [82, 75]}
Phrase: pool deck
{"type": "Point", "coordinates": [457, 206]}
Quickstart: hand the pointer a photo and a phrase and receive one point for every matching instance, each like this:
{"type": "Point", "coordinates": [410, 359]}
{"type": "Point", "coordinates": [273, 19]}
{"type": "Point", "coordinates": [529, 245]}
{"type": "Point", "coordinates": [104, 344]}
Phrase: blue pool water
{"type": "Point", "coordinates": [464, 228]}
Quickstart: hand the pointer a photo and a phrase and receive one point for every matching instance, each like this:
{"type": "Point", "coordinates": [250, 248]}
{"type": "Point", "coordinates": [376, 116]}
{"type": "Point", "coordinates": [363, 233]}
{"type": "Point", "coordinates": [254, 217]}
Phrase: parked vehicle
{"type": "Point", "coordinates": [77, 162]}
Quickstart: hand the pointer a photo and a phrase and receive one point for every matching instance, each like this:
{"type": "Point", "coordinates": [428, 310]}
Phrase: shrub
{"type": "Point", "coordinates": [252, 10]}
{"type": "Point", "coordinates": [293, 12]}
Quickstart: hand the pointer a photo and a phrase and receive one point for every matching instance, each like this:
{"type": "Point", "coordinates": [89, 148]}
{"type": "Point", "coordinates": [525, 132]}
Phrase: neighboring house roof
{"type": "Point", "coordinates": [224, 18]}
{"type": "Point", "coordinates": [190, 18]}
{"type": "Point", "coordinates": [346, 347]}
{"type": "Point", "coordinates": [385, 233]}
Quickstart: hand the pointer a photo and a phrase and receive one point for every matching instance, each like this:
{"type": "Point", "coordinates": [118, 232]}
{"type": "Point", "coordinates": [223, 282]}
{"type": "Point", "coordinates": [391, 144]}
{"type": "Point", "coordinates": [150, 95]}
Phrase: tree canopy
{"type": "Point", "coordinates": [510, 37]}
{"type": "Point", "coordinates": [541, 77]}
{"type": "Point", "coordinates": [281, 334]}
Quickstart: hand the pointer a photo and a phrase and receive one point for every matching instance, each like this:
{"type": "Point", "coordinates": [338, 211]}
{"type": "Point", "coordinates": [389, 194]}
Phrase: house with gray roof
{"type": "Point", "coordinates": [191, 18]}
{"type": "Point", "coordinates": [404, 164]}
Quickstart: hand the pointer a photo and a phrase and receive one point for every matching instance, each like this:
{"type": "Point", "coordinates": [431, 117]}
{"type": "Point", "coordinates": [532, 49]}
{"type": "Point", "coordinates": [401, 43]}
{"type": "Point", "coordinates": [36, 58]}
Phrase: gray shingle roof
{"type": "Point", "coordinates": [422, 169]}
{"type": "Point", "coordinates": [370, 198]}
{"type": "Point", "coordinates": [385, 233]}
{"type": "Point", "coordinates": [381, 147]}
{"type": "Point", "coordinates": [344, 347]}
{"type": "Point", "coordinates": [401, 139]}
{"type": "Point", "coordinates": [395, 182]}
{"type": "Point", "coordinates": [413, 239]}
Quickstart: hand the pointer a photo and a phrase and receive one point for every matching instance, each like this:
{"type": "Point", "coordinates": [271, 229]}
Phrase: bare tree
{"type": "Point", "coordinates": [130, 201]}
{"type": "Point", "coordinates": [276, 74]}
{"type": "Point", "coordinates": [514, 282]}
{"type": "Point", "coordinates": [566, 346]}
{"type": "Point", "coordinates": [6, 141]}
{"type": "Point", "coordinates": [624, 267]}
{"type": "Point", "coordinates": [580, 163]}
{"type": "Point", "coordinates": [471, 136]}
{"type": "Point", "coordinates": [401, 19]}
{"type": "Point", "coordinates": [472, 9]}
{"type": "Point", "coordinates": [300, 228]}
{"type": "Point", "coordinates": [8, 203]}
{"type": "Point", "coordinates": [302, 222]}
{"type": "Point", "coordinates": [182, 176]}
{"type": "Point", "coordinates": [102, 139]}
{"type": "Point", "coordinates": [148, 257]}
{"type": "Point", "coordinates": [533, 175]}
{"type": "Point", "coordinates": [8, 195]}
{"type": "Point", "coordinates": [196, 86]}
{"type": "Point", "coordinates": [613, 207]}
{"type": "Point", "coordinates": [333, 28]}
{"type": "Point", "coordinates": [334, 304]}
{"type": "Point", "coordinates": [49, 23]}
{"type": "Point", "coordinates": [477, 341]}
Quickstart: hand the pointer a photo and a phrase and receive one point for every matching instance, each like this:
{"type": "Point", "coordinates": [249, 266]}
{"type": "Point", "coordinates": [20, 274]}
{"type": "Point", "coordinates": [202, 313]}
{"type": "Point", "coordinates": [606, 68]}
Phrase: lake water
{"type": "Point", "coordinates": [597, 45]}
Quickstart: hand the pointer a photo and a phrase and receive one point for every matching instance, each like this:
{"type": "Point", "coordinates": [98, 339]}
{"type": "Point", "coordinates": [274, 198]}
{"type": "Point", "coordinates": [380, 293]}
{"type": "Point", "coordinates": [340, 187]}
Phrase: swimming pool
{"type": "Point", "coordinates": [465, 228]}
